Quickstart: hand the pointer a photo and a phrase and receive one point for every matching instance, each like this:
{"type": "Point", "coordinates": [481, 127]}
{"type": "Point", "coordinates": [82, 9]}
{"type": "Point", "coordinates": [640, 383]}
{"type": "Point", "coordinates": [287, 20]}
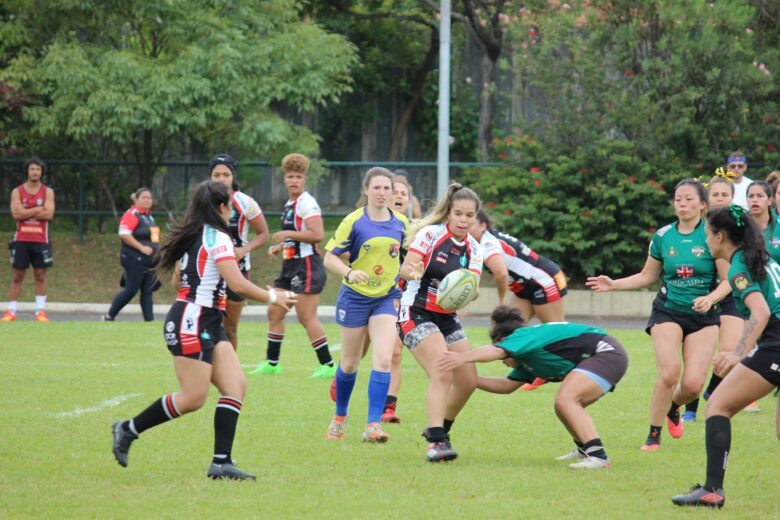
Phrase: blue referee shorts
{"type": "Point", "coordinates": [354, 309]}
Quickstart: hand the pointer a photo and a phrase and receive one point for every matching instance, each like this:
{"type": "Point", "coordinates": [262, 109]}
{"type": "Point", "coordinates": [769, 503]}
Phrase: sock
{"type": "Point", "coordinates": [40, 302]}
{"type": "Point", "coordinates": [435, 434]}
{"type": "Point", "coordinates": [378, 383]}
{"type": "Point", "coordinates": [344, 385]}
{"type": "Point", "coordinates": [12, 306]}
{"type": "Point", "coordinates": [654, 437]}
{"type": "Point", "coordinates": [674, 413]}
{"type": "Point", "coordinates": [713, 384]}
{"type": "Point", "coordinates": [157, 413]}
{"type": "Point", "coordinates": [718, 442]}
{"type": "Point", "coordinates": [391, 400]}
{"type": "Point", "coordinates": [693, 406]}
{"type": "Point", "coordinates": [448, 425]}
{"type": "Point", "coordinates": [274, 347]}
{"type": "Point", "coordinates": [320, 346]}
{"type": "Point", "coordinates": [594, 448]}
{"type": "Point", "coordinates": [225, 420]}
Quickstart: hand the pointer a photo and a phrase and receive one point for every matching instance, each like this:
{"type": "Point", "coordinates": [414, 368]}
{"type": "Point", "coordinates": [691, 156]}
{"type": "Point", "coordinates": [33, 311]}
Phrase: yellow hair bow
{"type": "Point", "coordinates": [726, 174]}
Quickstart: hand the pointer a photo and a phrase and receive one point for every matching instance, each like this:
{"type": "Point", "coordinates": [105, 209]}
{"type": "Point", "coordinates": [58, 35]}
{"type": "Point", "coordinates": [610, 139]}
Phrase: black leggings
{"type": "Point", "coordinates": [139, 275]}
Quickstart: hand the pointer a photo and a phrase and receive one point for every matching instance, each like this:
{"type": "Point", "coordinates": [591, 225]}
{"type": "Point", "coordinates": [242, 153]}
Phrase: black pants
{"type": "Point", "coordinates": [139, 275]}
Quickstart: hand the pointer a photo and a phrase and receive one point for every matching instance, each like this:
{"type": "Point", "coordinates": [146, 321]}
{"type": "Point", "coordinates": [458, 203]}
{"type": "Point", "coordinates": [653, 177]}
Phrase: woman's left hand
{"type": "Point", "coordinates": [703, 303]}
{"type": "Point", "coordinates": [279, 237]}
{"type": "Point", "coordinates": [449, 361]}
{"type": "Point", "coordinates": [241, 252]}
{"type": "Point", "coordinates": [724, 362]}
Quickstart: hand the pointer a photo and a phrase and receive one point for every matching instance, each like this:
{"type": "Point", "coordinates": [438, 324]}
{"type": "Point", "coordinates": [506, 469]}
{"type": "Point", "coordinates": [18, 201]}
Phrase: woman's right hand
{"type": "Point", "coordinates": [357, 276]}
{"type": "Point", "coordinates": [146, 250]}
{"type": "Point", "coordinates": [274, 251]}
{"type": "Point", "coordinates": [600, 283]}
{"type": "Point", "coordinates": [284, 299]}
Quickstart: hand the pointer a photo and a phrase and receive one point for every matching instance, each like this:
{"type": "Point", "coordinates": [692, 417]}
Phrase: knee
{"type": "Point", "coordinates": [382, 363]}
{"type": "Point", "coordinates": [691, 388]}
{"type": "Point", "coordinates": [18, 277]}
{"type": "Point", "coordinates": [669, 377]}
{"type": "Point", "coordinates": [190, 401]}
{"type": "Point", "coordinates": [40, 277]}
{"type": "Point", "coordinates": [307, 320]}
{"type": "Point", "coordinates": [237, 387]}
{"type": "Point", "coordinates": [466, 382]}
{"type": "Point", "coordinates": [349, 364]}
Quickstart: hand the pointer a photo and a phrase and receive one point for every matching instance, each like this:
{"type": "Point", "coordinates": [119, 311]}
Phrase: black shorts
{"type": "Point", "coordinates": [609, 364]}
{"type": "Point", "coordinates": [37, 254]}
{"type": "Point", "coordinates": [415, 324]}
{"type": "Point", "coordinates": [689, 323]}
{"type": "Point", "coordinates": [233, 297]}
{"type": "Point", "coordinates": [729, 308]}
{"type": "Point", "coordinates": [537, 293]}
{"type": "Point", "coordinates": [302, 275]}
{"type": "Point", "coordinates": [765, 361]}
{"type": "Point", "coordinates": [193, 331]}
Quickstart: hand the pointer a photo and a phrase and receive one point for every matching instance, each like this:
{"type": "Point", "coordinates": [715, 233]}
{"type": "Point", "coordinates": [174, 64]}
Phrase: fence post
{"type": "Point", "coordinates": [81, 203]}
{"type": "Point", "coordinates": [186, 180]}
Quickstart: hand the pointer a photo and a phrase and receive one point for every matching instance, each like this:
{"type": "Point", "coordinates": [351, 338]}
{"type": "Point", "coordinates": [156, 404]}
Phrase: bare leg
{"type": "Point", "coordinates": [230, 322]}
{"type": "Point", "coordinates": [550, 312]}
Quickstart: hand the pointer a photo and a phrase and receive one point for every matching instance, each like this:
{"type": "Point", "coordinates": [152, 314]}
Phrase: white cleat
{"type": "Point", "coordinates": [573, 454]}
{"type": "Point", "coordinates": [591, 463]}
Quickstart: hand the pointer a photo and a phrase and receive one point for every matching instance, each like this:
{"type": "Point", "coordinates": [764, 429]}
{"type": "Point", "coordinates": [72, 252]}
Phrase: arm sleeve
{"type": "Point", "coordinates": [342, 240]}
{"type": "Point", "coordinates": [475, 259]}
{"type": "Point", "coordinates": [655, 250]}
{"type": "Point", "coordinates": [222, 249]}
{"type": "Point", "coordinates": [128, 223]}
{"type": "Point", "coordinates": [742, 284]}
{"type": "Point", "coordinates": [249, 207]}
{"type": "Point", "coordinates": [423, 241]}
{"type": "Point", "coordinates": [309, 208]}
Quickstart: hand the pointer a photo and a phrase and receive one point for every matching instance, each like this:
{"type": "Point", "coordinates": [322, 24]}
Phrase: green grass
{"type": "Point", "coordinates": [56, 466]}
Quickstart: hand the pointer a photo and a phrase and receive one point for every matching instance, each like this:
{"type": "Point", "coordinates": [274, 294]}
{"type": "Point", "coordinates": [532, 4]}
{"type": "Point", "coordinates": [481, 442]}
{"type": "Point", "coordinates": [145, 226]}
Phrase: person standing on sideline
{"type": "Point", "coordinates": [302, 270]}
{"type": "Point", "coordinates": [32, 206]}
{"type": "Point", "coordinates": [736, 163]}
{"type": "Point", "coordinates": [140, 238]}
{"type": "Point", "coordinates": [246, 213]}
{"type": "Point", "coordinates": [414, 209]}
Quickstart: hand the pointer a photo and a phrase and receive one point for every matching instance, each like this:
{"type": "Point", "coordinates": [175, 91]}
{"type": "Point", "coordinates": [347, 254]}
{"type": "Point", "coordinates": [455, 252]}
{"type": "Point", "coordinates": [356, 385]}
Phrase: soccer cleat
{"type": "Point", "coordinates": [573, 454]}
{"type": "Point", "coordinates": [267, 368]}
{"type": "Point", "coordinates": [699, 496]}
{"type": "Point", "coordinates": [689, 416]}
{"type": "Point", "coordinates": [122, 441]}
{"type": "Point", "coordinates": [591, 463]}
{"type": "Point", "coordinates": [651, 444]}
{"type": "Point", "coordinates": [106, 317]}
{"type": "Point", "coordinates": [375, 434]}
{"type": "Point", "coordinates": [8, 316]}
{"type": "Point", "coordinates": [324, 372]}
{"type": "Point", "coordinates": [752, 408]}
{"type": "Point", "coordinates": [228, 471]}
{"type": "Point", "coordinates": [440, 451]}
{"type": "Point", "coordinates": [336, 429]}
{"type": "Point", "coordinates": [41, 316]}
{"type": "Point", "coordinates": [333, 390]}
{"type": "Point", "coordinates": [389, 416]}
{"type": "Point", "coordinates": [675, 429]}
{"type": "Point", "coordinates": [533, 385]}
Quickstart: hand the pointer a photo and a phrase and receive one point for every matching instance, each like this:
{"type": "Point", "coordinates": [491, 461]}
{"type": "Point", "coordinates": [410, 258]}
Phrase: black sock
{"type": "Point", "coordinates": [435, 434]}
{"type": "Point", "coordinates": [674, 413]}
{"type": "Point", "coordinates": [713, 384]}
{"type": "Point", "coordinates": [654, 437]}
{"type": "Point", "coordinates": [391, 399]}
{"type": "Point", "coordinates": [448, 425]}
{"type": "Point", "coordinates": [225, 419]}
{"type": "Point", "coordinates": [320, 346]}
{"type": "Point", "coordinates": [693, 406]}
{"type": "Point", "coordinates": [718, 442]}
{"type": "Point", "coordinates": [594, 448]}
{"type": "Point", "coordinates": [578, 444]}
{"type": "Point", "coordinates": [274, 347]}
{"type": "Point", "coordinates": [156, 413]}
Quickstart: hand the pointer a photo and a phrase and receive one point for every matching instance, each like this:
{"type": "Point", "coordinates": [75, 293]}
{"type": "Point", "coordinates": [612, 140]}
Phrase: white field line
{"type": "Point", "coordinates": [108, 403]}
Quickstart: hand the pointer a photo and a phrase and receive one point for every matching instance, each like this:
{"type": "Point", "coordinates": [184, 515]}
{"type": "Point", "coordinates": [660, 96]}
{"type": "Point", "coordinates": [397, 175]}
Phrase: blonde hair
{"type": "Point", "coordinates": [441, 211]}
{"type": "Point", "coordinates": [717, 179]}
{"type": "Point", "coordinates": [295, 162]}
{"type": "Point", "coordinates": [773, 179]}
{"type": "Point", "coordinates": [376, 171]}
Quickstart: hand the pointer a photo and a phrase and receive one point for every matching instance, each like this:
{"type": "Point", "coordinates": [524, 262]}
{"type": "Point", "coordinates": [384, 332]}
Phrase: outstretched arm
{"type": "Point", "coordinates": [498, 385]}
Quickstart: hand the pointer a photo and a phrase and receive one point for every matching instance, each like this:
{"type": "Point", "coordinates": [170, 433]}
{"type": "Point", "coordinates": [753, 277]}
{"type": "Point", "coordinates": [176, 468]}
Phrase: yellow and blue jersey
{"type": "Point", "coordinates": [374, 247]}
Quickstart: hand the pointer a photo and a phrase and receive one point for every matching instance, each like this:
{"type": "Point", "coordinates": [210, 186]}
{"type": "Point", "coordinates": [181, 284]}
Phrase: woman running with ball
{"type": "Point", "coordinates": [440, 245]}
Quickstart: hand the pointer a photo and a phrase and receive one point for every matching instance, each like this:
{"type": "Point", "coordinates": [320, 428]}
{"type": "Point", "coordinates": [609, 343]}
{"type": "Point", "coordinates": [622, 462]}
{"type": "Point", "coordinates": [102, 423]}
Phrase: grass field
{"type": "Point", "coordinates": [67, 382]}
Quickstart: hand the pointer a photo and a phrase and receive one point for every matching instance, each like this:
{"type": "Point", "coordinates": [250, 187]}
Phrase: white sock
{"type": "Point", "coordinates": [40, 302]}
{"type": "Point", "coordinates": [12, 306]}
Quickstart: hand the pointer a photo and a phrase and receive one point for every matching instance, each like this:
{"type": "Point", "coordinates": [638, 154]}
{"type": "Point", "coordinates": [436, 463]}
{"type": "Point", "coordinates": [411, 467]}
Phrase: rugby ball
{"type": "Point", "coordinates": [457, 290]}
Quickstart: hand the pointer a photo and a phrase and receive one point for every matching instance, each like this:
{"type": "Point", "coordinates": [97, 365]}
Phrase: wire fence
{"type": "Point", "coordinates": [92, 195]}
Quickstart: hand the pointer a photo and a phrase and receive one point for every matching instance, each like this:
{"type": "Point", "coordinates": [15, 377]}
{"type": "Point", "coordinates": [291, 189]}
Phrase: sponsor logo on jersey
{"type": "Point", "coordinates": [394, 250]}
{"type": "Point", "coordinates": [342, 314]}
{"type": "Point", "coordinates": [220, 249]}
{"type": "Point", "coordinates": [603, 346]}
{"type": "Point", "coordinates": [685, 271]}
{"type": "Point", "coordinates": [205, 335]}
{"type": "Point", "coordinates": [378, 269]}
{"type": "Point", "coordinates": [698, 251]}
{"type": "Point", "coordinates": [442, 257]}
{"type": "Point", "coordinates": [463, 261]}
{"type": "Point", "coordinates": [741, 281]}
{"type": "Point", "coordinates": [366, 247]}
{"type": "Point", "coordinates": [211, 236]}
{"type": "Point", "coordinates": [775, 242]}
{"type": "Point", "coordinates": [671, 251]}
{"type": "Point", "coordinates": [170, 326]}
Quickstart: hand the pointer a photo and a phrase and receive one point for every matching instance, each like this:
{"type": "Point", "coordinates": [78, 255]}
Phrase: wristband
{"type": "Point", "coordinates": [272, 297]}
{"type": "Point", "coordinates": [346, 276]}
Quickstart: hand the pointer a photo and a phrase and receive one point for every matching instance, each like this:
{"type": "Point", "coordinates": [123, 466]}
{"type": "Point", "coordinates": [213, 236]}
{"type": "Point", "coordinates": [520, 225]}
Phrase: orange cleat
{"type": "Point", "coordinates": [389, 415]}
{"type": "Point", "coordinates": [536, 383]}
{"type": "Point", "coordinates": [336, 429]}
{"type": "Point", "coordinates": [40, 316]}
{"type": "Point", "coordinates": [375, 434]}
{"type": "Point", "coordinates": [333, 390]}
{"type": "Point", "coordinates": [8, 316]}
{"type": "Point", "coordinates": [675, 429]}
{"type": "Point", "coordinates": [650, 446]}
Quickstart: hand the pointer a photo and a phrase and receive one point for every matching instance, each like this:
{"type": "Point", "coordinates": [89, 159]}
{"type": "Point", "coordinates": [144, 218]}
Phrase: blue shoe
{"type": "Point", "coordinates": [689, 416]}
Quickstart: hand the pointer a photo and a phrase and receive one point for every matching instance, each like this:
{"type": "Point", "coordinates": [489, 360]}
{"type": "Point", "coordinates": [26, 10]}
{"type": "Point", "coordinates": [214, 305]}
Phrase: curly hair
{"type": "Point", "coordinates": [503, 322]}
{"type": "Point", "coordinates": [295, 162]}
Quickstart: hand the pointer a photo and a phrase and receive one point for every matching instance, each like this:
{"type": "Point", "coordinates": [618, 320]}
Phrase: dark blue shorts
{"type": "Point", "coordinates": [353, 309]}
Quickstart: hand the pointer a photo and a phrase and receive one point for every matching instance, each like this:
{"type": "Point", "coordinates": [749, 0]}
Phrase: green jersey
{"type": "Point", "coordinates": [688, 267]}
{"type": "Point", "coordinates": [551, 350]}
{"type": "Point", "coordinates": [743, 284]}
{"type": "Point", "coordinates": [772, 237]}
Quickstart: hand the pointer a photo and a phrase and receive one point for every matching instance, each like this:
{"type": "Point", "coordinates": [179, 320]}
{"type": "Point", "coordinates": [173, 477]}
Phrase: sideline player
{"type": "Point", "coordinates": [32, 206]}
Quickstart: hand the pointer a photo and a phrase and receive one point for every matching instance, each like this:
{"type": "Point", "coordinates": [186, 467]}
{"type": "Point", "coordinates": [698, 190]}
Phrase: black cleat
{"type": "Point", "coordinates": [228, 470]}
{"type": "Point", "coordinates": [441, 451]}
{"type": "Point", "coordinates": [699, 496]}
{"type": "Point", "coordinates": [122, 441]}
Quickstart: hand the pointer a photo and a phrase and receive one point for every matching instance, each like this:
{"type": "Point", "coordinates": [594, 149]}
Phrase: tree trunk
{"type": "Point", "coordinates": [147, 172]}
{"type": "Point", "coordinates": [487, 103]}
{"type": "Point", "coordinates": [417, 92]}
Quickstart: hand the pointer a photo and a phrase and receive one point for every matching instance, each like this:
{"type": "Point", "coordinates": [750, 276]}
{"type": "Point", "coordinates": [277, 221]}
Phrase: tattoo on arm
{"type": "Point", "coordinates": [750, 326]}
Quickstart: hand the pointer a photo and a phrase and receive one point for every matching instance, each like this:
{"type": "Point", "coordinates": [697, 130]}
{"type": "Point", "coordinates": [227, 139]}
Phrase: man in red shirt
{"type": "Point", "coordinates": [32, 206]}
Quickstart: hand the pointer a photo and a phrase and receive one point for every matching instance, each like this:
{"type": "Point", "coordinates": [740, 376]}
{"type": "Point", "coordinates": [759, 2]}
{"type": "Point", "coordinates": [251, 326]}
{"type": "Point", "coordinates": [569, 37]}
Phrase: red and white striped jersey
{"type": "Point", "coordinates": [296, 213]}
{"type": "Point", "coordinates": [245, 210]}
{"type": "Point", "coordinates": [442, 254]}
{"type": "Point", "coordinates": [521, 261]}
{"type": "Point", "coordinates": [200, 282]}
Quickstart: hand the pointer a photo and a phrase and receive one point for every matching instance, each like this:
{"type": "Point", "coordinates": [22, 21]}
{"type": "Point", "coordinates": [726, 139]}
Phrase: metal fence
{"type": "Point", "coordinates": [98, 191]}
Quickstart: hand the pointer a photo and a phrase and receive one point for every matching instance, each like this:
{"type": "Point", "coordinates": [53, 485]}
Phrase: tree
{"type": "Point", "coordinates": [128, 78]}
